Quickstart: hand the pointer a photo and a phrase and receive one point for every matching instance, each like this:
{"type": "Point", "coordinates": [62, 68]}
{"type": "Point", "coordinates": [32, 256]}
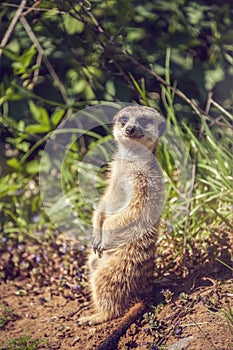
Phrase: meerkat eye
{"type": "Point", "coordinates": [144, 121]}
{"type": "Point", "coordinates": [124, 120]}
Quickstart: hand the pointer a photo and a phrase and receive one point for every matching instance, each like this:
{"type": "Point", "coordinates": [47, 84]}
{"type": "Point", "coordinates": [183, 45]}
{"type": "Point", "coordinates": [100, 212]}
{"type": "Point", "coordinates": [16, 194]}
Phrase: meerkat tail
{"type": "Point", "coordinates": [135, 312]}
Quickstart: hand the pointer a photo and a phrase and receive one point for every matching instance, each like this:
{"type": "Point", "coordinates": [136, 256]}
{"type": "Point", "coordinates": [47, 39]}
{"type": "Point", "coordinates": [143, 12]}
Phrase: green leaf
{"type": "Point", "coordinates": [89, 93]}
{"type": "Point", "coordinates": [135, 34]}
{"type": "Point", "coordinates": [16, 97]}
{"type": "Point", "coordinates": [35, 203]}
{"type": "Point", "coordinates": [14, 163]}
{"type": "Point", "coordinates": [57, 116]}
{"type": "Point", "coordinates": [33, 167]}
{"type": "Point", "coordinates": [27, 56]}
{"type": "Point", "coordinates": [22, 63]}
{"type": "Point", "coordinates": [9, 53]}
{"type": "Point", "coordinates": [212, 77]}
{"type": "Point", "coordinates": [7, 186]}
{"type": "Point", "coordinates": [80, 86]}
{"type": "Point", "coordinates": [72, 25]}
{"type": "Point", "coordinates": [37, 129]}
{"type": "Point", "coordinates": [39, 114]}
{"type": "Point", "coordinates": [110, 87]}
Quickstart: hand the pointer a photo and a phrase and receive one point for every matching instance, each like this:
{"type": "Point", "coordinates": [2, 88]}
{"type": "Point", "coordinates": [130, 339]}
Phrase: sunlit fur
{"type": "Point", "coordinates": [126, 221]}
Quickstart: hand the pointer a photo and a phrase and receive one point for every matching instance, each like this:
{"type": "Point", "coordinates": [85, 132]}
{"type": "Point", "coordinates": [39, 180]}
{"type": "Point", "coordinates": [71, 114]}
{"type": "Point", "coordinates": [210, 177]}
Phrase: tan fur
{"type": "Point", "coordinates": [126, 220]}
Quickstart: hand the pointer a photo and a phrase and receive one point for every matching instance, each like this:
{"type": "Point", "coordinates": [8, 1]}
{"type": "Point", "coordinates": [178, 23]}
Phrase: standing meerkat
{"type": "Point", "coordinates": [125, 222]}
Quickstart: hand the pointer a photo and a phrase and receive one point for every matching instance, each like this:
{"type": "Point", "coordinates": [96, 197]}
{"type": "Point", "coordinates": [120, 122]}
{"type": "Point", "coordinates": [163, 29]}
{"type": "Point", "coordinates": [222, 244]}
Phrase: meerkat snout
{"type": "Point", "coordinates": [130, 130]}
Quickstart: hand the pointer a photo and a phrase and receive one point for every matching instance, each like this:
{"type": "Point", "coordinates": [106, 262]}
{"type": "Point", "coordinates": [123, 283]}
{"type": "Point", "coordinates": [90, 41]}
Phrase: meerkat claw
{"type": "Point", "coordinates": [97, 249]}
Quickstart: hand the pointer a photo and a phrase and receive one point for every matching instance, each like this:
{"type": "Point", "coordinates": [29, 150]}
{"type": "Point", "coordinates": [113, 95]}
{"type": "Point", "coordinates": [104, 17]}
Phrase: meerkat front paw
{"type": "Point", "coordinates": [97, 240]}
{"type": "Point", "coordinates": [98, 248]}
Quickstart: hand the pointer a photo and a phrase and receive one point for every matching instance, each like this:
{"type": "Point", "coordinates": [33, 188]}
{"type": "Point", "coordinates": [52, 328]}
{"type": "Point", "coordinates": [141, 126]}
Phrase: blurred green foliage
{"type": "Point", "coordinates": [62, 56]}
{"type": "Point", "coordinates": [83, 43]}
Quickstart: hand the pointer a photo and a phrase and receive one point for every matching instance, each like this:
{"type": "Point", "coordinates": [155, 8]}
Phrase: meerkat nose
{"type": "Point", "coordinates": [130, 130]}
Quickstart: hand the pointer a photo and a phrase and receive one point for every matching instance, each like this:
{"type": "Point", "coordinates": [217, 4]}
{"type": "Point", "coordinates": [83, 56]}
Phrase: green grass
{"type": "Point", "coordinates": [208, 145]}
{"type": "Point", "coordinates": [6, 314]}
{"type": "Point", "coordinates": [23, 343]}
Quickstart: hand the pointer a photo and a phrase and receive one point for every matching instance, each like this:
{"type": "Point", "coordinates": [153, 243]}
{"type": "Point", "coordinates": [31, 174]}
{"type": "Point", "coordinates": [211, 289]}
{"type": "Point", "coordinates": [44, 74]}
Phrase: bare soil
{"type": "Point", "coordinates": [191, 308]}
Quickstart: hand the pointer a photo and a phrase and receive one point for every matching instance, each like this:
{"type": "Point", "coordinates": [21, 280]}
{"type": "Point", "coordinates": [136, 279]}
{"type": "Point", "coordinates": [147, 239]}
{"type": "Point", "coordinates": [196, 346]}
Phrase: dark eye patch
{"type": "Point", "coordinates": [124, 120]}
{"type": "Point", "coordinates": [144, 121]}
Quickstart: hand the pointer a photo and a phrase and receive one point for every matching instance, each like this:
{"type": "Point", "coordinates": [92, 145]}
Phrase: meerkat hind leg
{"type": "Point", "coordinates": [96, 318]}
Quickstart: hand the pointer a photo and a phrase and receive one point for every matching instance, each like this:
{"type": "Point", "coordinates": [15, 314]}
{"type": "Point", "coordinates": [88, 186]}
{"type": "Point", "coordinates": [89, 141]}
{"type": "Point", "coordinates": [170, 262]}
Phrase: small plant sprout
{"type": "Point", "coordinates": [167, 295]}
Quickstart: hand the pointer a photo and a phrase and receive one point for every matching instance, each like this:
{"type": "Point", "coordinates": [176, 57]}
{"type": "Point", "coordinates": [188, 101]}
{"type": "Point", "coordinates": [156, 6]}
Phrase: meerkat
{"type": "Point", "coordinates": [125, 222]}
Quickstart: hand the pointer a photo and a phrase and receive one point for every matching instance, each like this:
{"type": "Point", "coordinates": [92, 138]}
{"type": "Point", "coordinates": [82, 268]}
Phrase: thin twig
{"type": "Point", "coordinates": [37, 70]}
{"type": "Point", "coordinates": [221, 109]}
{"type": "Point", "coordinates": [31, 9]}
{"type": "Point", "coordinates": [209, 102]}
{"type": "Point", "coordinates": [12, 25]}
{"type": "Point", "coordinates": [35, 9]}
{"type": "Point", "coordinates": [122, 73]}
{"type": "Point", "coordinates": [40, 50]}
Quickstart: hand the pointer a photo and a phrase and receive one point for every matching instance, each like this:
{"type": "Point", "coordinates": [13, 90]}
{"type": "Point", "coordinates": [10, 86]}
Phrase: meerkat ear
{"type": "Point", "coordinates": [161, 127]}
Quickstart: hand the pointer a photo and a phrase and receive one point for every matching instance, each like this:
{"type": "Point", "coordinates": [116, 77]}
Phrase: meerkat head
{"type": "Point", "coordinates": [140, 124]}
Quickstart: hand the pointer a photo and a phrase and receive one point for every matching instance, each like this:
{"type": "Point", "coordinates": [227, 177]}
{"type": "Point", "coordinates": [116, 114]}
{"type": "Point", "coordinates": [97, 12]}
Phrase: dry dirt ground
{"type": "Point", "coordinates": [44, 289]}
